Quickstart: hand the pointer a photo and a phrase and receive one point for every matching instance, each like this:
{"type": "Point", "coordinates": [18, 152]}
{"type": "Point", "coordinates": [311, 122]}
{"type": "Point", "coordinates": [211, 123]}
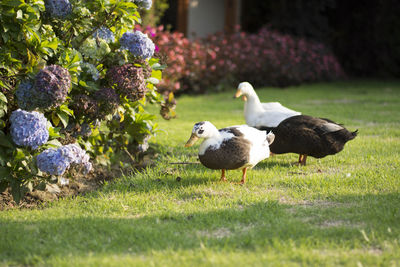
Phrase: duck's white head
{"type": "Point", "coordinates": [203, 129]}
{"type": "Point", "coordinates": [245, 89]}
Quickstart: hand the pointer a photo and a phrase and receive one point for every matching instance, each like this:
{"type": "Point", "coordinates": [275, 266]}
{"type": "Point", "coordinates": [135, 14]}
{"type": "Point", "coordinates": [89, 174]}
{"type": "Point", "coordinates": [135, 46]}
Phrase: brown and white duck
{"type": "Point", "coordinates": [258, 114]}
{"type": "Point", "coordinates": [235, 147]}
{"type": "Point", "coordinates": [309, 136]}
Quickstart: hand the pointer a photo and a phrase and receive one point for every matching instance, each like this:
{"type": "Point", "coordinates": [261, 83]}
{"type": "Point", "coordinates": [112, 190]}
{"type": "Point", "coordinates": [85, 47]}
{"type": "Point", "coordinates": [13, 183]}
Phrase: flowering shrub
{"type": "Point", "coordinates": [186, 60]}
{"type": "Point", "coordinates": [272, 58]}
{"type": "Point", "coordinates": [81, 80]}
{"type": "Point", "coordinates": [265, 58]}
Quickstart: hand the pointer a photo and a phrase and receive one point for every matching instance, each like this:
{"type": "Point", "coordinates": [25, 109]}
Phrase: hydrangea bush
{"type": "Point", "coordinates": [75, 79]}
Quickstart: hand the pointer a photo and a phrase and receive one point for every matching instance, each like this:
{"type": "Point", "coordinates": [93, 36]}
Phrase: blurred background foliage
{"type": "Point", "coordinates": [364, 35]}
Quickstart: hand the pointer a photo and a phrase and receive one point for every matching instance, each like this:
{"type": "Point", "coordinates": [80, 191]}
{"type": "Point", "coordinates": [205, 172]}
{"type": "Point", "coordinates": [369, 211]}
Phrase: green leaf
{"type": "Point", "coordinates": [53, 44]}
{"type": "Point", "coordinates": [54, 132]}
{"type": "Point", "coordinates": [159, 67]}
{"type": "Point", "coordinates": [76, 58]}
{"type": "Point", "coordinates": [54, 143]}
{"type": "Point", "coordinates": [66, 110]}
{"type": "Point", "coordinates": [3, 97]}
{"type": "Point", "coordinates": [16, 191]}
{"type": "Point", "coordinates": [12, 3]}
{"type": "Point", "coordinates": [63, 117]}
{"type": "Point", "coordinates": [4, 141]}
{"type": "Point", "coordinates": [19, 154]}
{"type": "Point", "coordinates": [156, 74]}
{"type": "Point", "coordinates": [55, 119]}
{"type": "Point", "coordinates": [83, 83]}
{"type": "Point", "coordinates": [3, 157]}
{"type": "Point", "coordinates": [4, 172]}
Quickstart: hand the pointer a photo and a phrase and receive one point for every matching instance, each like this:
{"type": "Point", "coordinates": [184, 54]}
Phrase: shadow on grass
{"type": "Point", "coordinates": [260, 225]}
{"type": "Point", "coordinates": [273, 162]}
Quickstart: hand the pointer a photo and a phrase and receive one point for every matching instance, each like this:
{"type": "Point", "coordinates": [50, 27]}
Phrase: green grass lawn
{"type": "Point", "coordinates": [339, 210]}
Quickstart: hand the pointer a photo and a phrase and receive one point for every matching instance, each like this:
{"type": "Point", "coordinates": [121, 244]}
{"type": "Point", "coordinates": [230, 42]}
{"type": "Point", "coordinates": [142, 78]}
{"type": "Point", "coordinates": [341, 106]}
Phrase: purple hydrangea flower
{"type": "Point", "coordinates": [105, 34]}
{"type": "Point", "coordinates": [51, 86]}
{"type": "Point", "coordinates": [138, 43]}
{"type": "Point", "coordinates": [58, 8]}
{"type": "Point", "coordinates": [84, 105]}
{"type": "Point", "coordinates": [128, 80]}
{"type": "Point", "coordinates": [107, 99]}
{"type": "Point", "coordinates": [57, 161]}
{"type": "Point", "coordinates": [28, 128]}
{"type": "Point", "coordinates": [145, 4]}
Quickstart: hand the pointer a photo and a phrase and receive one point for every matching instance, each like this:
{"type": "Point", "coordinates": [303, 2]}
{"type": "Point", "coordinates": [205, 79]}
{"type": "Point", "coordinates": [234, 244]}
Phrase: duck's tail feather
{"type": "Point", "coordinates": [354, 134]}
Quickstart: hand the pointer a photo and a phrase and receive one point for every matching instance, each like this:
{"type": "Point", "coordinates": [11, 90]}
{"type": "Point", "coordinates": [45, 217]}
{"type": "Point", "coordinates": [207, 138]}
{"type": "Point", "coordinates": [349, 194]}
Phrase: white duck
{"type": "Point", "coordinates": [235, 147]}
{"type": "Point", "coordinates": [262, 115]}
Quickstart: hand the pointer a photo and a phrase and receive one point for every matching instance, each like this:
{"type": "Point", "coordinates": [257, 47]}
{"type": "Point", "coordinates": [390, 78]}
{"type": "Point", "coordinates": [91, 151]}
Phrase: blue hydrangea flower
{"type": "Point", "coordinates": [74, 154]}
{"type": "Point", "coordinates": [138, 43]}
{"type": "Point", "coordinates": [24, 96]}
{"type": "Point", "coordinates": [52, 162]}
{"type": "Point", "coordinates": [105, 34]}
{"type": "Point", "coordinates": [58, 8]}
{"type": "Point", "coordinates": [57, 161]}
{"type": "Point", "coordinates": [28, 128]}
{"type": "Point", "coordinates": [145, 4]}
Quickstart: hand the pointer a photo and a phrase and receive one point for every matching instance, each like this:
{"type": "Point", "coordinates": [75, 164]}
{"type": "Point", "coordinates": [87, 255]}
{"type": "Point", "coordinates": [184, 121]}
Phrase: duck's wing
{"type": "Point", "coordinates": [329, 127]}
{"type": "Point", "coordinates": [271, 118]}
{"type": "Point", "coordinates": [271, 105]}
{"type": "Point", "coordinates": [232, 153]}
{"type": "Point", "coordinates": [276, 106]}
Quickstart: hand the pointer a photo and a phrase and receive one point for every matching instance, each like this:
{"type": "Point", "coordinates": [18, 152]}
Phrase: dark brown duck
{"type": "Point", "coordinates": [310, 136]}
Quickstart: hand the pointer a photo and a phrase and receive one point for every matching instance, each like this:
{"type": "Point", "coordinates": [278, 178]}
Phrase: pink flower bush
{"type": "Point", "coordinates": [267, 58]}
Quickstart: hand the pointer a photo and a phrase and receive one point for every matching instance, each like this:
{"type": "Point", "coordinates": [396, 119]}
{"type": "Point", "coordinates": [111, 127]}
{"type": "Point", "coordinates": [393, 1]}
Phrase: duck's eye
{"type": "Point", "coordinates": [201, 131]}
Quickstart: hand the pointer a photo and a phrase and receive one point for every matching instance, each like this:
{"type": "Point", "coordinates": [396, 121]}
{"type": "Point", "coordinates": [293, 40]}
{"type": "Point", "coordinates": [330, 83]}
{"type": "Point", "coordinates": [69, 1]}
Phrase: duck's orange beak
{"type": "Point", "coordinates": [193, 138]}
{"type": "Point", "coordinates": [239, 93]}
